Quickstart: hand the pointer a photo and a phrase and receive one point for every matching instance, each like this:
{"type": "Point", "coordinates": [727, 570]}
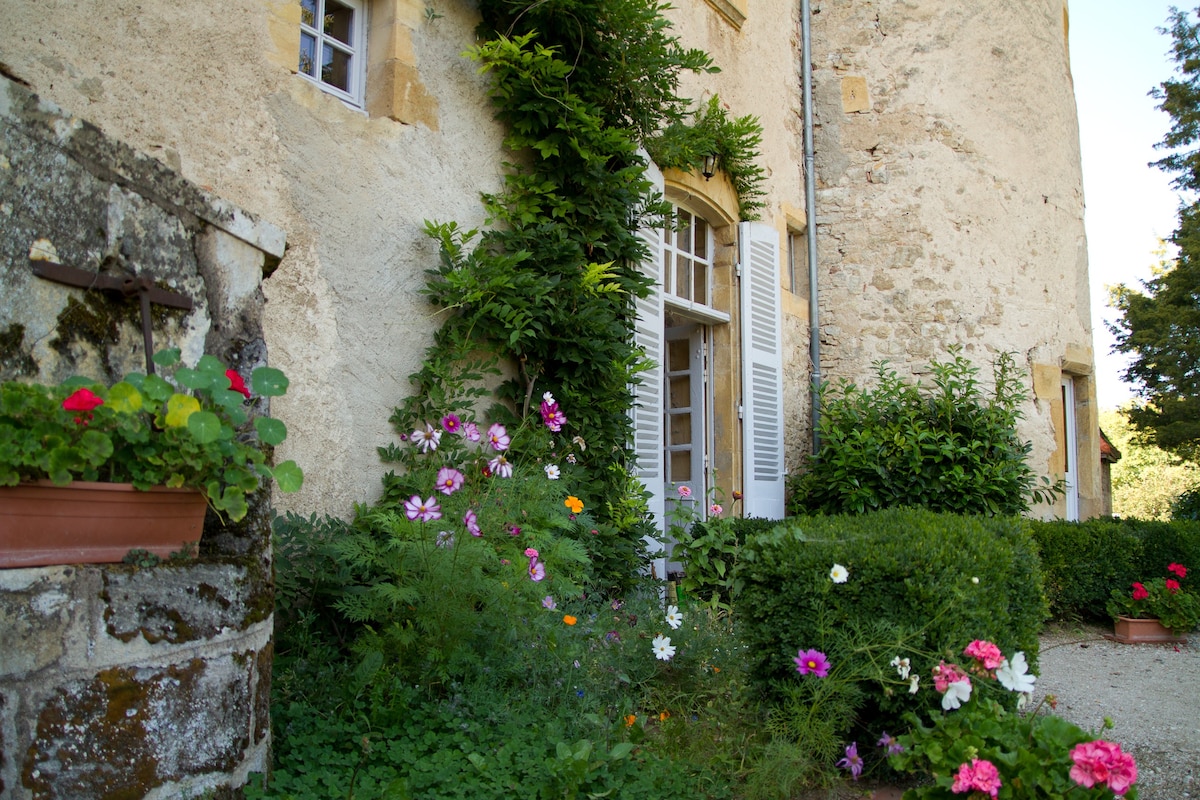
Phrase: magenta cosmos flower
{"type": "Point", "coordinates": [853, 761]}
{"type": "Point", "coordinates": [472, 523]}
{"type": "Point", "coordinates": [812, 662]}
{"type": "Point", "coordinates": [451, 423]}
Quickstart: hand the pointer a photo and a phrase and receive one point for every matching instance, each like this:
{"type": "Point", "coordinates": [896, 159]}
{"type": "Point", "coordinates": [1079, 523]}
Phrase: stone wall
{"type": "Point", "coordinates": [120, 681]}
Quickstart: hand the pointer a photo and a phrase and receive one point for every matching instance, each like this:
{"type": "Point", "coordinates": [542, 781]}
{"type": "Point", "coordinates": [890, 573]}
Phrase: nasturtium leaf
{"type": "Point", "coordinates": [156, 388]}
{"type": "Point", "coordinates": [193, 379]}
{"type": "Point", "coordinates": [268, 381]}
{"type": "Point", "coordinates": [288, 476]}
{"type": "Point", "coordinates": [270, 431]}
{"type": "Point", "coordinates": [211, 366]}
{"type": "Point", "coordinates": [180, 407]}
{"type": "Point", "coordinates": [124, 398]}
{"type": "Point", "coordinates": [166, 358]}
{"type": "Point", "coordinates": [204, 425]}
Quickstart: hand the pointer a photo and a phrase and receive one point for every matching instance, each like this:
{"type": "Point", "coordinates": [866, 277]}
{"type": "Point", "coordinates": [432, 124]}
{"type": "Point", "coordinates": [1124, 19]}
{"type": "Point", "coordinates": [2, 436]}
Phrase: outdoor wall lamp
{"type": "Point", "coordinates": [710, 166]}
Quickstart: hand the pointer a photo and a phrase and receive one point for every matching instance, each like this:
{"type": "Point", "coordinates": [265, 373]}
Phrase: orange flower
{"type": "Point", "coordinates": [569, 619]}
{"type": "Point", "coordinates": [663, 716]}
{"type": "Point", "coordinates": [574, 503]}
{"type": "Point", "coordinates": [630, 719]}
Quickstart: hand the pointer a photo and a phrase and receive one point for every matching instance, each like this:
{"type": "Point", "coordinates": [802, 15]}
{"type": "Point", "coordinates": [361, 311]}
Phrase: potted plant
{"type": "Point", "coordinates": [1160, 609]}
{"type": "Point", "coordinates": [168, 447]}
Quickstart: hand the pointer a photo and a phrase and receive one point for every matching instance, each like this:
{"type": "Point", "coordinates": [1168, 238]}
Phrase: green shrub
{"type": "Point", "coordinates": [946, 448]}
{"type": "Point", "coordinates": [708, 550]}
{"type": "Point", "coordinates": [920, 585]}
{"type": "Point", "coordinates": [1082, 562]}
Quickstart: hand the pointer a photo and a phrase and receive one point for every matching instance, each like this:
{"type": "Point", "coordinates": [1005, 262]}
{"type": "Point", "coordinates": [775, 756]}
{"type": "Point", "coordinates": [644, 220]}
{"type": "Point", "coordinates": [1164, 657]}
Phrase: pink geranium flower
{"type": "Point", "coordinates": [1103, 763]}
{"type": "Point", "coordinates": [812, 662]}
{"type": "Point", "coordinates": [978, 776]}
{"type": "Point", "coordinates": [985, 653]}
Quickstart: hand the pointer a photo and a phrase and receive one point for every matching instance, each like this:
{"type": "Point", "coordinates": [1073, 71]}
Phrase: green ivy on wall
{"type": "Point", "coordinates": [549, 286]}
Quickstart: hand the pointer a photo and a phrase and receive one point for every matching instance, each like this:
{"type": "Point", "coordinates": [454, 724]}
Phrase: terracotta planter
{"type": "Point", "coordinates": [94, 523]}
{"type": "Point", "coordinates": [1140, 631]}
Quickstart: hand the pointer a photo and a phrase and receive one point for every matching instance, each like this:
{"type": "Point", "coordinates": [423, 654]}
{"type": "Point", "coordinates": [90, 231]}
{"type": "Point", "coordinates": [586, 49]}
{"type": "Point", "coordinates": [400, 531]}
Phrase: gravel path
{"type": "Point", "coordinates": [1150, 691]}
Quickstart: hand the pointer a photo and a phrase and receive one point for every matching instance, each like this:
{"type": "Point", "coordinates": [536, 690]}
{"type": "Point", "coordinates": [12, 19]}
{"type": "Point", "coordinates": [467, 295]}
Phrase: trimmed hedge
{"type": "Point", "coordinates": [1082, 562]}
{"type": "Point", "coordinates": [911, 572]}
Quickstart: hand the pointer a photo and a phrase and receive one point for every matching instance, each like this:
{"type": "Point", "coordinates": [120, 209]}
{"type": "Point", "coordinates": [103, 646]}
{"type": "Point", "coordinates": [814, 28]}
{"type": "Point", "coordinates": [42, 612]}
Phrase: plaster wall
{"type": "Point", "coordinates": [950, 201]}
{"type": "Point", "coordinates": [212, 93]}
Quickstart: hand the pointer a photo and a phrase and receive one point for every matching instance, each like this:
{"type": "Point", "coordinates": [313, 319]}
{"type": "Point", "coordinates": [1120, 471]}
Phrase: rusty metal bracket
{"type": "Point", "coordinates": [140, 286]}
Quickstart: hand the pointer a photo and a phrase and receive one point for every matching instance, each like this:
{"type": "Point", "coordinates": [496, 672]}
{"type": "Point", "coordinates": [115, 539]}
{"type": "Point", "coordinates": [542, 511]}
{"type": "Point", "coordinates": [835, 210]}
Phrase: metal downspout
{"type": "Point", "coordinates": [810, 222]}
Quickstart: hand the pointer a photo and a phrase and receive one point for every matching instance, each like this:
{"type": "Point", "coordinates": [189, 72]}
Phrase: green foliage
{"type": "Point", "coordinates": [947, 447]}
{"type": "Point", "coordinates": [912, 586]}
{"type": "Point", "coordinates": [1147, 481]}
{"type": "Point", "coordinates": [145, 431]}
{"type": "Point", "coordinates": [1031, 752]}
{"type": "Point", "coordinates": [709, 551]}
{"type": "Point", "coordinates": [734, 141]}
{"type": "Point", "coordinates": [1083, 562]}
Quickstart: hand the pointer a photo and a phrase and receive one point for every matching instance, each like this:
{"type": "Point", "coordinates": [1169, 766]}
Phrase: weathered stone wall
{"type": "Point", "coordinates": [126, 682]}
{"type": "Point", "coordinates": [214, 94]}
{"type": "Point", "coordinates": [950, 202]}
{"type": "Point", "coordinates": [117, 681]}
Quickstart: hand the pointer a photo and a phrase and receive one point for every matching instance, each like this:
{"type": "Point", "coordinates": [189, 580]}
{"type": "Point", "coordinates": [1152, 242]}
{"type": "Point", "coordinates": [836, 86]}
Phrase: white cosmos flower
{"type": "Point", "coordinates": [663, 650]}
{"type": "Point", "coordinates": [839, 574]}
{"type": "Point", "coordinates": [1014, 675]}
{"type": "Point", "coordinates": [552, 472]}
{"type": "Point", "coordinates": [902, 666]}
{"type": "Point", "coordinates": [956, 694]}
{"type": "Point", "coordinates": [674, 618]}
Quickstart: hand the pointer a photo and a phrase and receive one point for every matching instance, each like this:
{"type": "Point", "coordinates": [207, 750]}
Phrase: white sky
{"type": "Point", "coordinates": [1117, 57]}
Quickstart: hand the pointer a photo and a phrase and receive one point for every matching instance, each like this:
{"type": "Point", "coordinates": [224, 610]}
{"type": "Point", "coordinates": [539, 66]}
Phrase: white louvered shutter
{"type": "Point", "coordinates": [762, 372]}
{"type": "Point", "coordinates": [647, 410]}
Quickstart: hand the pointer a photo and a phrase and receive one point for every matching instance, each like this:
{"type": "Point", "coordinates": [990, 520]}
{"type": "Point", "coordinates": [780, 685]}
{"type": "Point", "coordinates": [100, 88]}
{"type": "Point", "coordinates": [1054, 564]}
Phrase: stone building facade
{"type": "Point", "coordinates": [949, 207]}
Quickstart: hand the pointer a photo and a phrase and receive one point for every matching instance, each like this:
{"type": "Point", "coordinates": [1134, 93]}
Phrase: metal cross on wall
{"type": "Point", "coordinates": [140, 285]}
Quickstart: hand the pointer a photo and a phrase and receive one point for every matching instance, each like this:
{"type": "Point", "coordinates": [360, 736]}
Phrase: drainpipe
{"type": "Point", "coordinates": [810, 222]}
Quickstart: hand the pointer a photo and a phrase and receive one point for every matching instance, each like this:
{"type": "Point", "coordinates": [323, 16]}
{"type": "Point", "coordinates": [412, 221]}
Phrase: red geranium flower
{"type": "Point", "coordinates": [1178, 569]}
{"type": "Point", "coordinates": [1172, 586]}
{"type": "Point", "coordinates": [236, 384]}
{"type": "Point", "coordinates": [82, 400]}
{"type": "Point", "coordinates": [1139, 592]}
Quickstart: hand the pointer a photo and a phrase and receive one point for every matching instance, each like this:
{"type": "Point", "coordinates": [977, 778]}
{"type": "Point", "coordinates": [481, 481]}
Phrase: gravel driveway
{"type": "Point", "coordinates": [1150, 691]}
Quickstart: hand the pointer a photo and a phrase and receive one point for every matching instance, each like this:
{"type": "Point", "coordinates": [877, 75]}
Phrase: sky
{"type": "Point", "coordinates": [1117, 57]}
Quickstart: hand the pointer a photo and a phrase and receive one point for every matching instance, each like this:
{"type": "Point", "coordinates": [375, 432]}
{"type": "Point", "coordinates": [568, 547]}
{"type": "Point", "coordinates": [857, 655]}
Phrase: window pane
{"type": "Point", "coordinates": [681, 392]}
{"type": "Point", "coordinates": [701, 239]}
{"type": "Point", "coordinates": [339, 21]}
{"type": "Point", "coordinates": [681, 466]}
{"type": "Point", "coordinates": [683, 236]}
{"type": "Point", "coordinates": [700, 276]}
{"type": "Point", "coordinates": [668, 275]}
{"type": "Point", "coordinates": [308, 55]}
{"type": "Point", "coordinates": [308, 12]}
{"type": "Point", "coordinates": [335, 68]}
{"type": "Point", "coordinates": [678, 355]}
{"type": "Point", "coordinates": [681, 429]}
{"type": "Point", "coordinates": [683, 278]}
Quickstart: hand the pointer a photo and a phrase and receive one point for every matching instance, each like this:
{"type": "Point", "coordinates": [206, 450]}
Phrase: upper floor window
{"type": "Point", "coordinates": [688, 267]}
{"type": "Point", "coordinates": [331, 46]}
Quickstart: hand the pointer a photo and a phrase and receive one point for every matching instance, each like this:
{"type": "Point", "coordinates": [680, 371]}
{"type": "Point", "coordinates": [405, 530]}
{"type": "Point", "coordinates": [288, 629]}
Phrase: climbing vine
{"type": "Point", "coordinates": [547, 290]}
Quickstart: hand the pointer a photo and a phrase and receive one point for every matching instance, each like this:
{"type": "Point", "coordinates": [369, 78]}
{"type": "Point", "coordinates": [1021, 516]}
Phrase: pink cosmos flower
{"type": "Point", "coordinates": [985, 653]}
{"type": "Point", "coordinates": [1139, 591]}
{"type": "Point", "coordinates": [548, 602]}
{"type": "Point", "coordinates": [514, 530]}
{"type": "Point", "coordinates": [82, 400]}
{"type": "Point", "coordinates": [449, 480]}
{"type": "Point", "coordinates": [853, 761]}
{"type": "Point", "coordinates": [422, 510]}
{"type": "Point", "coordinates": [427, 439]}
{"type": "Point", "coordinates": [978, 776]}
{"type": "Point", "coordinates": [1177, 569]}
{"type": "Point", "coordinates": [537, 571]}
{"type": "Point", "coordinates": [685, 492]}
{"type": "Point", "coordinates": [472, 523]}
{"type": "Point", "coordinates": [500, 467]}
{"type": "Point", "coordinates": [471, 431]}
{"type": "Point", "coordinates": [812, 662]}
{"type": "Point", "coordinates": [236, 384]}
{"type": "Point", "coordinates": [451, 423]}
{"type": "Point", "coordinates": [1103, 763]}
{"type": "Point", "coordinates": [498, 437]}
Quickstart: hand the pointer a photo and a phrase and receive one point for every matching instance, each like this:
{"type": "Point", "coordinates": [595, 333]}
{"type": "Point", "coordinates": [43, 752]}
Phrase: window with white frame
{"type": "Point", "coordinates": [687, 266]}
{"type": "Point", "coordinates": [332, 52]}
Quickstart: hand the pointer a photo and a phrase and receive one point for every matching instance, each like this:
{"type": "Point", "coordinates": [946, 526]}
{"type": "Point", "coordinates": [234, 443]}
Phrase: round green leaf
{"type": "Point", "coordinates": [205, 426]}
{"type": "Point", "coordinates": [270, 431]}
{"type": "Point", "coordinates": [288, 476]}
{"type": "Point", "coordinates": [193, 379]}
{"type": "Point", "coordinates": [268, 381]}
{"type": "Point", "coordinates": [124, 398]}
{"type": "Point", "coordinates": [166, 358]}
{"type": "Point", "coordinates": [157, 389]}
